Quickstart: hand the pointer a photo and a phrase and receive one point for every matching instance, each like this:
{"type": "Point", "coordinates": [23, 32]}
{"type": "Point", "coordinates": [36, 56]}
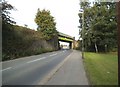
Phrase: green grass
{"type": "Point", "coordinates": [101, 69]}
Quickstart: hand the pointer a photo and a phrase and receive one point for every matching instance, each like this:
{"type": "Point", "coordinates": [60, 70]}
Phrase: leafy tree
{"type": "Point", "coordinates": [100, 29]}
{"type": "Point", "coordinates": [5, 8]}
{"type": "Point", "coordinates": [46, 24]}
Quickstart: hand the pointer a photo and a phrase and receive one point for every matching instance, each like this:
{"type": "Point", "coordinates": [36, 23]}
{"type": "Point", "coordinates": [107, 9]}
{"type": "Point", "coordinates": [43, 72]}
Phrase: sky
{"type": "Point", "coordinates": [65, 13]}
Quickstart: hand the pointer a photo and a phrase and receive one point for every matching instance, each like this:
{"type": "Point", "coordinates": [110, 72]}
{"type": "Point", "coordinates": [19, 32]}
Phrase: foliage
{"type": "Point", "coordinates": [100, 28]}
{"type": "Point", "coordinates": [101, 69]}
{"type": "Point", "coordinates": [5, 8]}
{"type": "Point", "coordinates": [20, 41]}
{"type": "Point", "coordinates": [46, 24]}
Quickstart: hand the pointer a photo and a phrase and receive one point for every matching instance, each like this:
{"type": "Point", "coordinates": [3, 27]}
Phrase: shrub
{"type": "Point", "coordinates": [20, 41]}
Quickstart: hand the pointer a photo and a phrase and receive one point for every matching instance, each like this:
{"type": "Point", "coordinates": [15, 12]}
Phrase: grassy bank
{"type": "Point", "coordinates": [18, 41]}
{"type": "Point", "coordinates": [102, 69]}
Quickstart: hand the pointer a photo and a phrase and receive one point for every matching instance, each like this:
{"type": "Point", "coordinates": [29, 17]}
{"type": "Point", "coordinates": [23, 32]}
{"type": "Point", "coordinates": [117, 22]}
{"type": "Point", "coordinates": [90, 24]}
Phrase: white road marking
{"type": "Point", "coordinates": [53, 54]}
{"type": "Point", "coordinates": [5, 69]}
{"type": "Point", "coordinates": [36, 60]}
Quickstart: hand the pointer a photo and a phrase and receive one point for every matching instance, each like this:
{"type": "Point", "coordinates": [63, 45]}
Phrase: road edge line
{"type": "Point", "coordinates": [50, 75]}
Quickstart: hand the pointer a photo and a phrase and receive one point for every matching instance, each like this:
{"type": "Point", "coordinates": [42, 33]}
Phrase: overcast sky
{"type": "Point", "coordinates": [65, 13]}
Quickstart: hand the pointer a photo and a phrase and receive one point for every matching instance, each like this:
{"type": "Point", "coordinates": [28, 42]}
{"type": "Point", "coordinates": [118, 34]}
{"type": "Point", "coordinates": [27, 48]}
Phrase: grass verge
{"type": "Point", "coordinates": [101, 69]}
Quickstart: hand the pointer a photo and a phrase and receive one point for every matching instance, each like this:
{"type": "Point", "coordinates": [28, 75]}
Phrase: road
{"type": "Point", "coordinates": [31, 70]}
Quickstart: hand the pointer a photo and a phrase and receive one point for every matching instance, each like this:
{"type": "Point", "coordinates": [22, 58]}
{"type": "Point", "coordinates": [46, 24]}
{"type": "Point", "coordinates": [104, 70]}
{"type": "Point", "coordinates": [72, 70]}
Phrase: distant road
{"type": "Point", "coordinates": [31, 70]}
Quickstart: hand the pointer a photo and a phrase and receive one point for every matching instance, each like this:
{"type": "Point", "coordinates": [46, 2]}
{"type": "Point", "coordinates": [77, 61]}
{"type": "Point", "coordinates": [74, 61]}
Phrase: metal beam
{"type": "Point", "coordinates": [64, 39]}
{"type": "Point", "coordinates": [65, 35]}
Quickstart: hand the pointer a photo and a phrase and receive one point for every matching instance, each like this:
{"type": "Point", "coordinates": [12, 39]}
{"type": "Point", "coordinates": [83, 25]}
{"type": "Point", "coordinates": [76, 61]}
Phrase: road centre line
{"type": "Point", "coordinates": [36, 60]}
{"type": "Point", "coordinates": [29, 62]}
{"type": "Point", "coordinates": [53, 54]}
{"type": "Point", "coordinates": [5, 69]}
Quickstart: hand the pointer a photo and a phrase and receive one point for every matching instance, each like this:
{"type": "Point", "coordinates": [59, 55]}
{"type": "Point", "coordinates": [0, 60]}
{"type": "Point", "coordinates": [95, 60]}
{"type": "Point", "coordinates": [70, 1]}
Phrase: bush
{"type": "Point", "coordinates": [20, 41]}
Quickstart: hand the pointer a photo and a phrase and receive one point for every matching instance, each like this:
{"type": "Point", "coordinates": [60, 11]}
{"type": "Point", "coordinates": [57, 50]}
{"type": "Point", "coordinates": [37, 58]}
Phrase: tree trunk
{"type": "Point", "coordinates": [105, 47]}
{"type": "Point", "coordinates": [118, 25]}
{"type": "Point", "coordinates": [96, 48]}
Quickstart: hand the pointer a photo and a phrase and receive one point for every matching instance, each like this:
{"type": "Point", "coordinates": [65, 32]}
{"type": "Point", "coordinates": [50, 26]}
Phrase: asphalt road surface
{"type": "Point", "coordinates": [31, 70]}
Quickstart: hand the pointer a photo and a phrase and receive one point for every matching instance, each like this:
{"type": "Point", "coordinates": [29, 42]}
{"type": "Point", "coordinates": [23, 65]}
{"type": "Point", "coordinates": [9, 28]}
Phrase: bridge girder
{"type": "Point", "coordinates": [66, 38]}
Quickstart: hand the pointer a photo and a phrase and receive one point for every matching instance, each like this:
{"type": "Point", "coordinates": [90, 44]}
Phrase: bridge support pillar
{"type": "Point", "coordinates": [72, 45]}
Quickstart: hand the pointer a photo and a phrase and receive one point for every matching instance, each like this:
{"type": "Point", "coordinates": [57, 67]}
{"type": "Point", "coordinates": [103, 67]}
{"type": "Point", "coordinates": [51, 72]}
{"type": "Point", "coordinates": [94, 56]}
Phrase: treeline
{"type": "Point", "coordinates": [18, 41]}
{"type": "Point", "coordinates": [100, 26]}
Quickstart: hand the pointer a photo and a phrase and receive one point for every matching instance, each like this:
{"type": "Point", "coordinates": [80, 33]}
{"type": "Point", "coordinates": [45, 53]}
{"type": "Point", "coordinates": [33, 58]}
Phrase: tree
{"type": "Point", "coordinates": [46, 24]}
{"type": "Point", "coordinates": [105, 26]}
{"type": "Point", "coordinates": [100, 26]}
{"type": "Point", "coordinates": [5, 8]}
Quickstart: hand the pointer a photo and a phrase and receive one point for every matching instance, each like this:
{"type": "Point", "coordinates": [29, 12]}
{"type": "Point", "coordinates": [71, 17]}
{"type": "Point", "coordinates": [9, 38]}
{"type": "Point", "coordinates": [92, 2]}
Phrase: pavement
{"type": "Point", "coordinates": [71, 73]}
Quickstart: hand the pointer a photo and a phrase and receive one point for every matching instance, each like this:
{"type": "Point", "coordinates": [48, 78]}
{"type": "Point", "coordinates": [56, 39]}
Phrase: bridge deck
{"type": "Point", "coordinates": [65, 35]}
